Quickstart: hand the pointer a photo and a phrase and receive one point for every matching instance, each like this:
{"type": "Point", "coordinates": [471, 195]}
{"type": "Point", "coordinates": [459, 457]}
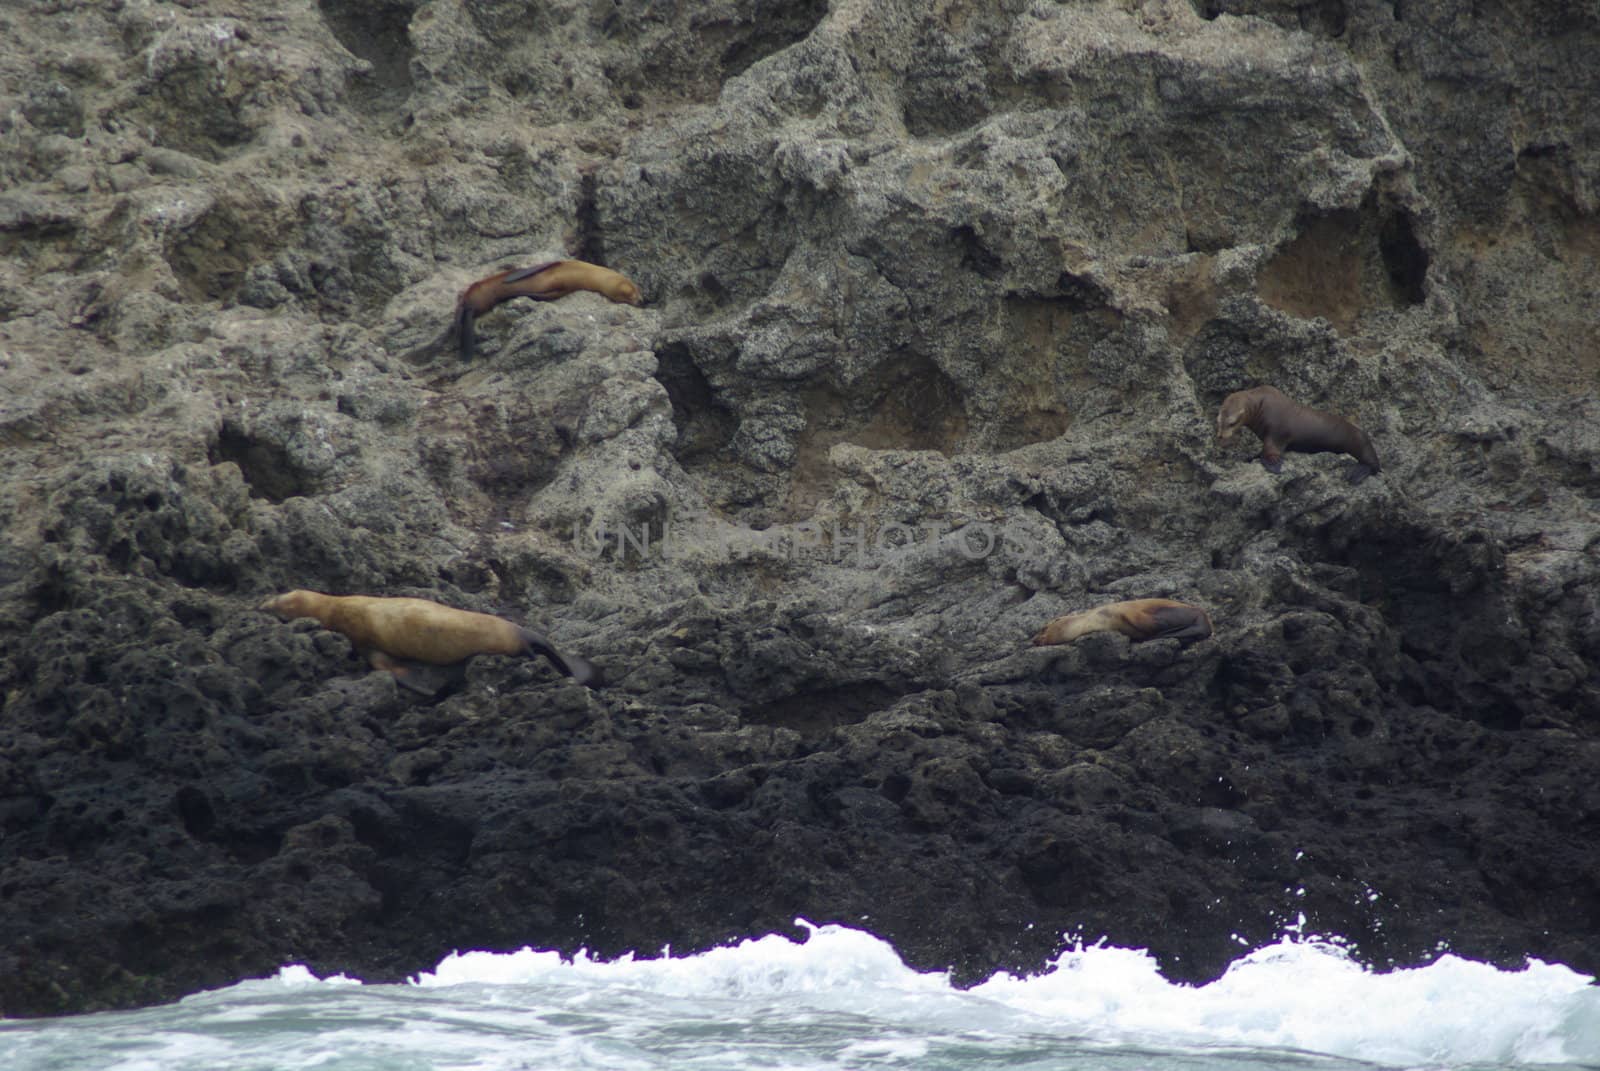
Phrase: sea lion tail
{"type": "Point", "coordinates": [581, 670]}
{"type": "Point", "coordinates": [1186, 624]}
{"type": "Point", "coordinates": [1368, 458]}
{"type": "Point", "coordinates": [465, 335]}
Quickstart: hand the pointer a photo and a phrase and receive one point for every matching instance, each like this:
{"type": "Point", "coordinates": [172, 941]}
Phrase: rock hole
{"type": "Point", "coordinates": [918, 408]}
{"type": "Point", "coordinates": [1403, 257]}
{"type": "Point", "coordinates": [1324, 17]}
{"type": "Point", "coordinates": [1223, 794]}
{"type": "Point", "coordinates": [895, 787]}
{"type": "Point", "coordinates": [705, 425]}
{"type": "Point", "coordinates": [265, 466]}
{"type": "Point", "coordinates": [774, 27]}
{"type": "Point", "coordinates": [975, 256]}
{"type": "Point", "coordinates": [815, 714]}
{"type": "Point", "coordinates": [712, 287]}
{"type": "Point", "coordinates": [1327, 18]}
{"type": "Point", "coordinates": [907, 404]}
{"type": "Point", "coordinates": [1319, 272]}
{"type": "Point", "coordinates": [195, 810]}
{"type": "Point", "coordinates": [591, 246]}
{"type": "Point", "coordinates": [210, 260]}
{"type": "Point", "coordinates": [1079, 294]}
{"type": "Point", "coordinates": [378, 34]}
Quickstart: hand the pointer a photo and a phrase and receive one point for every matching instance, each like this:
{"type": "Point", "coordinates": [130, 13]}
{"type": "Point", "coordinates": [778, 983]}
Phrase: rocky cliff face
{"type": "Point", "coordinates": [943, 298]}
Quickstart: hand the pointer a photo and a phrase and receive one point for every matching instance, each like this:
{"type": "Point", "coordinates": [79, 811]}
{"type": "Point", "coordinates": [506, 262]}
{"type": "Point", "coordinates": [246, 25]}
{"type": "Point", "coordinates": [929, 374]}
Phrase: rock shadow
{"type": "Point", "coordinates": [908, 403]}
{"type": "Point", "coordinates": [379, 34]}
{"type": "Point", "coordinates": [1343, 264]}
{"type": "Point", "coordinates": [266, 466]}
{"type": "Point", "coordinates": [705, 424]}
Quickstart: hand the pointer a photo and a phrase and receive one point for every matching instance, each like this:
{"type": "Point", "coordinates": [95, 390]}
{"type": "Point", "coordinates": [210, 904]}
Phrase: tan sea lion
{"type": "Point", "coordinates": [1137, 619]}
{"type": "Point", "coordinates": [394, 633]}
{"type": "Point", "coordinates": [1285, 424]}
{"type": "Point", "coordinates": [543, 282]}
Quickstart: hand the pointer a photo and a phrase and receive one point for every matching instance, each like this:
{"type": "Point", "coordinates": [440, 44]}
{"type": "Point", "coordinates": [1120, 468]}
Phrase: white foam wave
{"type": "Point", "coordinates": [1299, 994]}
{"type": "Point", "coordinates": [833, 959]}
{"type": "Point", "coordinates": [1310, 996]}
{"type": "Point", "coordinates": [842, 998]}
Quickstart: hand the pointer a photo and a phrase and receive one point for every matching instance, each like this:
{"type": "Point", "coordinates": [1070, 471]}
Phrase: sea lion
{"type": "Point", "coordinates": [1285, 424]}
{"type": "Point", "coordinates": [542, 282]}
{"type": "Point", "coordinates": [393, 633]}
{"type": "Point", "coordinates": [1138, 619]}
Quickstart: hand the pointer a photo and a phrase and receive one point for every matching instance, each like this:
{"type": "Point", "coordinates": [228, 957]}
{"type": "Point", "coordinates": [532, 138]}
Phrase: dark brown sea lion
{"type": "Point", "coordinates": [1137, 619]}
{"type": "Point", "coordinates": [1285, 424]}
{"type": "Point", "coordinates": [542, 282]}
{"type": "Point", "coordinates": [393, 633]}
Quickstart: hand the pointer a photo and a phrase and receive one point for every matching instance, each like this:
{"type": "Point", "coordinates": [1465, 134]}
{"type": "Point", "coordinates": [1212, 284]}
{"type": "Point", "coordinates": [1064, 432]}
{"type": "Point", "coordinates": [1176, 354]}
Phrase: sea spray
{"type": "Point", "coordinates": [843, 998]}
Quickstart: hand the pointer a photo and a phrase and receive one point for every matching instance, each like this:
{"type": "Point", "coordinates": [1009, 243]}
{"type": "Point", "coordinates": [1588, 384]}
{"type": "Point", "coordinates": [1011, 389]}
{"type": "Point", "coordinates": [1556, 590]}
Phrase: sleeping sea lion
{"type": "Point", "coordinates": [1138, 619]}
{"type": "Point", "coordinates": [542, 282]}
{"type": "Point", "coordinates": [394, 633]}
{"type": "Point", "coordinates": [1285, 424]}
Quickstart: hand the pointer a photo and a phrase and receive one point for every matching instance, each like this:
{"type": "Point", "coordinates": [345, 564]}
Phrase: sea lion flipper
{"type": "Point", "coordinates": [402, 669]}
{"type": "Point", "coordinates": [527, 273]}
{"type": "Point", "coordinates": [579, 669]}
{"type": "Point", "coordinates": [1182, 623]}
{"type": "Point", "coordinates": [1272, 464]}
{"type": "Point", "coordinates": [466, 337]}
{"type": "Point", "coordinates": [423, 678]}
{"type": "Point", "coordinates": [585, 672]}
{"type": "Point", "coordinates": [1358, 472]}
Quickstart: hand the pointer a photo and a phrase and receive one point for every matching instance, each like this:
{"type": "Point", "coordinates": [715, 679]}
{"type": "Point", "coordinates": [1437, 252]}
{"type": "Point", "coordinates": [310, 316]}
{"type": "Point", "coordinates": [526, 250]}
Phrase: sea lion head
{"type": "Point", "coordinates": [1062, 630]}
{"type": "Point", "coordinates": [290, 604]}
{"type": "Point", "coordinates": [626, 292]}
{"type": "Point", "coordinates": [1232, 416]}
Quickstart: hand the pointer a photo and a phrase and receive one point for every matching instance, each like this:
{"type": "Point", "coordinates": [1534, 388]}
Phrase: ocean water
{"type": "Point", "coordinates": [842, 998]}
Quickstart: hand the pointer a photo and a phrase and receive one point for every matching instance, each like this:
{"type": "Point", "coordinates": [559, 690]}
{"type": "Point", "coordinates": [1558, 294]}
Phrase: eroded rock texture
{"type": "Point", "coordinates": [942, 300]}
